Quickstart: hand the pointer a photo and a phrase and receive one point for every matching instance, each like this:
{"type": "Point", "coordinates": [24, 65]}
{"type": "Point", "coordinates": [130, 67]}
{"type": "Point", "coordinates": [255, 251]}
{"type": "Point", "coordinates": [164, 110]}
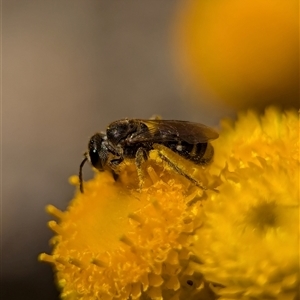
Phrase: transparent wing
{"type": "Point", "coordinates": [173, 130]}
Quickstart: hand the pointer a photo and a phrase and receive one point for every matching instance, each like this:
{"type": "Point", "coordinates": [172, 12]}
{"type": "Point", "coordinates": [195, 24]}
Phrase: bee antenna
{"type": "Point", "coordinates": [80, 174]}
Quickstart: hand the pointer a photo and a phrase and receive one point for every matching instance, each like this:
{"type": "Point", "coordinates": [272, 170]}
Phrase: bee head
{"type": "Point", "coordinates": [97, 151]}
{"type": "Point", "coordinates": [97, 154]}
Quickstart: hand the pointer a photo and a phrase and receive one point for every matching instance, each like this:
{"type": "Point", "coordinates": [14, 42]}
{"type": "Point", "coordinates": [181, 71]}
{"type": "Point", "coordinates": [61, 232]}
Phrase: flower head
{"type": "Point", "coordinates": [249, 241]}
{"type": "Point", "coordinates": [243, 53]}
{"type": "Point", "coordinates": [115, 242]}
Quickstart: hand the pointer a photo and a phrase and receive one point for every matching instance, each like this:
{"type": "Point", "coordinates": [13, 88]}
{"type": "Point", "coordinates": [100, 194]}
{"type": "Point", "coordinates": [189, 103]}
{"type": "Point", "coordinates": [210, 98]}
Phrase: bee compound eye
{"type": "Point", "coordinates": [94, 157]}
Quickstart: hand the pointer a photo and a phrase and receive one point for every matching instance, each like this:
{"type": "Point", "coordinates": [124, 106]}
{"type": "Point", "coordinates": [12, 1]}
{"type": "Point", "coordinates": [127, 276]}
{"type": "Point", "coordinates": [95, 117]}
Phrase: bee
{"type": "Point", "coordinates": [135, 138]}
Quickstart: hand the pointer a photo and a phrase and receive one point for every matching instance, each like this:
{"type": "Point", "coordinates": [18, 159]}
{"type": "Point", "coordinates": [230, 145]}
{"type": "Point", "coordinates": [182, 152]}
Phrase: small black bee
{"type": "Point", "coordinates": [134, 138]}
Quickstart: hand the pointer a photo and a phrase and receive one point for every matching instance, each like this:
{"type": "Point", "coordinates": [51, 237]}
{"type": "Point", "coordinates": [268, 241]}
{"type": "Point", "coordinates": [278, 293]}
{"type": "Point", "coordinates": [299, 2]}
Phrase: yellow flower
{"type": "Point", "coordinates": [115, 242]}
{"type": "Point", "coordinates": [244, 53]}
{"type": "Point", "coordinates": [249, 241]}
{"type": "Point", "coordinates": [172, 240]}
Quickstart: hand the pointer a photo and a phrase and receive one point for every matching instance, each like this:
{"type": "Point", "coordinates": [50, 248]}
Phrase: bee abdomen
{"type": "Point", "coordinates": [201, 153]}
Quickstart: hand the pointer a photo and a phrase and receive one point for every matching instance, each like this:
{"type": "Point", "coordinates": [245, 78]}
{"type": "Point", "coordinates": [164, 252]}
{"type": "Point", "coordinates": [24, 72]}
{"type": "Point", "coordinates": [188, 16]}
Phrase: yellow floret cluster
{"type": "Point", "coordinates": [249, 241]}
{"type": "Point", "coordinates": [116, 242]}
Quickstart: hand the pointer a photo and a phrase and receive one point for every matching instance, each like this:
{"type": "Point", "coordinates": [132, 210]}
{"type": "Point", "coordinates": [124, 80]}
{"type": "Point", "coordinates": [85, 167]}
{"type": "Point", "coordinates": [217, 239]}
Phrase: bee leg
{"type": "Point", "coordinates": [140, 157]}
{"type": "Point", "coordinates": [115, 175]}
{"type": "Point", "coordinates": [113, 165]}
{"type": "Point", "coordinates": [180, 171]}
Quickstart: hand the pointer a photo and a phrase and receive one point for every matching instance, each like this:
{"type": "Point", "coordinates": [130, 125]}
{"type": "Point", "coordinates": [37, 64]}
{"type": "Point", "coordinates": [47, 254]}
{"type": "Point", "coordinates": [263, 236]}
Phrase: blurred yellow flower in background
{"type": "Point", "coordinates": [245, 53]}
{"type": "Point", "coordinates": [172, 240]}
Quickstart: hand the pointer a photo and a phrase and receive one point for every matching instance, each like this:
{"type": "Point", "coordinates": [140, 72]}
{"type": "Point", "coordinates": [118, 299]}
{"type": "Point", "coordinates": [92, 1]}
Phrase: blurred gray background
{"type": "Point", "coordinates": [69, 68]}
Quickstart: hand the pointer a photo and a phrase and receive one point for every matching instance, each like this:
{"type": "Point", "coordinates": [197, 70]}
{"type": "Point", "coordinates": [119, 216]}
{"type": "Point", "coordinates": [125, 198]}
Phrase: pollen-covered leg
{"type": "Point", "coordinates": [175, 165]}
{"type": "Point", "coordinates": [140, 157]}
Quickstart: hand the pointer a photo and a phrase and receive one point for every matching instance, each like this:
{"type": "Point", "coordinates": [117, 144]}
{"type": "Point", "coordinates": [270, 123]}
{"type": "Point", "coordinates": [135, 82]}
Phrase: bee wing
{"type": "Point", "coordinates": [172, 130]}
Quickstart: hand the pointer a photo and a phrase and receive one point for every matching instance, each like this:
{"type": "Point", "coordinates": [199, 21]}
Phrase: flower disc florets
{"type": "Point", "coordinates": [249, 244]}
{"type": "Point", "coordinates": [118, 242]}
